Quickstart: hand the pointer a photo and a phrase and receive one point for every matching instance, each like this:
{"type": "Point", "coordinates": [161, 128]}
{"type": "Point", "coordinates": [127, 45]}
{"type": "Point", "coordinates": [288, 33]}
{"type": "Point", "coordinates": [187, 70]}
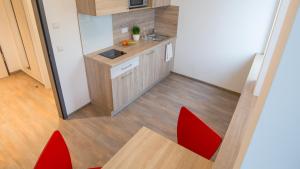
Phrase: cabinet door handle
{"type": "Point", "coordinates": [150, 53]}
{"type": "Point", "coordinates": [126, 67]}
{"type": "Point", "coordinates": [128, 74]}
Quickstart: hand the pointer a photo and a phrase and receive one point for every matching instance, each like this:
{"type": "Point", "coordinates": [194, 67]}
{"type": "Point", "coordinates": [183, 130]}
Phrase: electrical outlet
{"type": "Point", "coordinates": [124, 29]}
{"type": "Point", "coordinates": [56, 25]}
{"type": "Point", "coordinates": [60, 49]}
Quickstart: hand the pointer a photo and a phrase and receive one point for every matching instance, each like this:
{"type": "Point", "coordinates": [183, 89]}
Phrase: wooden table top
{"type": "Point", "coordinates": [149, 150]}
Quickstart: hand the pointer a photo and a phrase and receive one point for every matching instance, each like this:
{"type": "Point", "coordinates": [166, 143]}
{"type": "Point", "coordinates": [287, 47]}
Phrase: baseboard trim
{"type": "Point", "coordinates": [209, 84]}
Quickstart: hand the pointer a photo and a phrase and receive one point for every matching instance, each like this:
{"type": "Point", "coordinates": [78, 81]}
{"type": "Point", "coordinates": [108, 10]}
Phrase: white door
{"type": "Point", "coordinates": [16, 39]}
{"type": "Point", "coordinates": [3, 68]}
{"type": "Point", "coordinates": [7, 40]}
{"type": "Point", "coordinates": [26, 36]}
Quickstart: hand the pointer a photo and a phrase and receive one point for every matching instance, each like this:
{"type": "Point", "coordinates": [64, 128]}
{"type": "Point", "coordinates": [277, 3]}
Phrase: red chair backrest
{"type": "Point", "coordinates": [195, 135]}
{"type": "Point", "coordinates": [55, 155]}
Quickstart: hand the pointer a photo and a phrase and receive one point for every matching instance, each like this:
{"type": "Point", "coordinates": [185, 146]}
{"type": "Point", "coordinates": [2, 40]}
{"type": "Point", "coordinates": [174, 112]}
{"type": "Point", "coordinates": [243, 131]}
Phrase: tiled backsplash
{"type": "Point", "coordinates": [143, 18]}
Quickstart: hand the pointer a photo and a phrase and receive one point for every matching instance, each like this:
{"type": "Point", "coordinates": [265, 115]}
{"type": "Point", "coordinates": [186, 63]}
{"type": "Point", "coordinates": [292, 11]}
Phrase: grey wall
{"type": "Point", "coordinates": [276, 141]}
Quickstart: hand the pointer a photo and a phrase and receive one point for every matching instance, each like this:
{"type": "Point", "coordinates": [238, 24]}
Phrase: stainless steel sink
{"type": "Point", "coordinates": [156, 37]}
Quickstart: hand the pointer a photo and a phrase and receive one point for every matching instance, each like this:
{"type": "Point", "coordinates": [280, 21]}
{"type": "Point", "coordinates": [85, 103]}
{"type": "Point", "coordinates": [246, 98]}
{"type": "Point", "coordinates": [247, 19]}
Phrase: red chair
{"type": "Point", "coordinates": [55, 154]}
{"type": "Point", "coordinates": [195, 135]}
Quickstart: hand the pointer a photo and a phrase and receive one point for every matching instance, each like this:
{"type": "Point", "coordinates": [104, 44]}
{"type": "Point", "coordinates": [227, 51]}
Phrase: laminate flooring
{"type": "Point", "coordinates": [28, 116]}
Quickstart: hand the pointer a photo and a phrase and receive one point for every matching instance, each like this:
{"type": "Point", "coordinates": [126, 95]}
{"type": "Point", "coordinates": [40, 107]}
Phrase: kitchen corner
{"type": "Point", "coordinates": [115, 82]}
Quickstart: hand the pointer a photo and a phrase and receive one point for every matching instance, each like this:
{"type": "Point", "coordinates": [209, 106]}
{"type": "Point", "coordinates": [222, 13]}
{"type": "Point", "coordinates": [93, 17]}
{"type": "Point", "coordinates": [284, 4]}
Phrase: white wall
{"type": "Point", "coordinates": [64, 32]}
{"type": "Point", "coordinates": [217, 39]}
{"type": "Point", "coordinates": [275, 144]}
{"type": "Point", "coordinates": [96, 32]}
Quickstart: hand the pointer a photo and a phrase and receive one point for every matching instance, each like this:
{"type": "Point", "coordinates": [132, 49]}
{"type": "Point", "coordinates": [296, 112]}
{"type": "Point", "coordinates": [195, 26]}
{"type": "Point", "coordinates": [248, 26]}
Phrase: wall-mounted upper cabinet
{"type": "Point", "coordinates": [108, 7]}
{"type": "Point", "coordinates": [101, 7]}
{"type": "Point", "coordinates": [160, 3]}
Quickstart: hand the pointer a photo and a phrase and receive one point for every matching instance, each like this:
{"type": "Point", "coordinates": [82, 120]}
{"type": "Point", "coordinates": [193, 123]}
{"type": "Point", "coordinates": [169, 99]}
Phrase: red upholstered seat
{"type": "Point", "coordinates": [55, 154]}
{"type": "Point", "coordinates": [195, 135]}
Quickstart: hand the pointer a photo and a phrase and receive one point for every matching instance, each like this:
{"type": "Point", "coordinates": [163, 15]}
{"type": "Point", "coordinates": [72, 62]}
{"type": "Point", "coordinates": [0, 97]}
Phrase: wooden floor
{"type": "Point", "coordinates": [28, 117]}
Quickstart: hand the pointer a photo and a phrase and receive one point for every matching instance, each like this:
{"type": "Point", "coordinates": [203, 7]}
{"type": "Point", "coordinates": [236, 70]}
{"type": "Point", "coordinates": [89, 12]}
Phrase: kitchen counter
{"type": "Point", "coordinates": [131, 52]}
{"type": "Point", "coordinates": [115, 83]}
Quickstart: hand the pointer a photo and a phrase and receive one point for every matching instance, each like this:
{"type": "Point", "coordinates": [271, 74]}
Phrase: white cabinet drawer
{"type": "Point", "coordinates": [124, 67]}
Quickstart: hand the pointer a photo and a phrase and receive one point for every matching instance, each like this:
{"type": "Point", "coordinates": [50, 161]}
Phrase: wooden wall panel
{"type": "Point", "coordinates": [143, 18]}
{"type": "Point", "coordinates": [166, 20]}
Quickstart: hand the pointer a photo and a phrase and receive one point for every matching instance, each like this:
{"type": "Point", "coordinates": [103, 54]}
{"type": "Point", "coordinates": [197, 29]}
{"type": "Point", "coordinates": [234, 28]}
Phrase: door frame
{"type": "Point", "coordinates": [4, 64]}
{"type": "Point", "coordinates": [40, 15]}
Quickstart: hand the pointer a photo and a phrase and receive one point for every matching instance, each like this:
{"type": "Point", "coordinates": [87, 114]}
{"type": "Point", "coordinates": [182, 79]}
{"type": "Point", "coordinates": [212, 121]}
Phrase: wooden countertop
{"type": "Point", "coordinates": [149, 150]}
{"type": "Point", "coordinates": [131, 52]}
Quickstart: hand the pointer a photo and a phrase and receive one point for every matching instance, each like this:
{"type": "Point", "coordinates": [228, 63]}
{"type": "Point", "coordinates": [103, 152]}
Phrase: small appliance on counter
{"type": "Point", "coordinates": [112, 53]}
{"type": "Point", "coordinates": [137, 3]}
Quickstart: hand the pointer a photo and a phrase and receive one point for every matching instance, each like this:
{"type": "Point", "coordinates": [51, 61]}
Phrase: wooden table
{"type": "Point", "coordinates": [149, 150]}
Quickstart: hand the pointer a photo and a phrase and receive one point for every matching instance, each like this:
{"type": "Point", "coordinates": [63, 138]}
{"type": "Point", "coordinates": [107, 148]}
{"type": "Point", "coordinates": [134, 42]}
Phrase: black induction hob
{"type": "Point", "coordinates": [112, 54]}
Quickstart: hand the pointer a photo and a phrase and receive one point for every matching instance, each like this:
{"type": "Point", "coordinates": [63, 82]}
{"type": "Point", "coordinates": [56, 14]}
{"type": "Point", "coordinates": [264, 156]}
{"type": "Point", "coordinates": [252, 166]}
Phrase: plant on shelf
{"type": "Point", "coordinates": [136, 33]}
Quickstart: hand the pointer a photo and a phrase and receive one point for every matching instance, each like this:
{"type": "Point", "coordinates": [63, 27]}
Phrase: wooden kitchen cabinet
{"type": "Point", "coordinates": [112, 88]}
{"type": "Point", "coordinates": [101, 7]}
{"type": "Point", "coordinates": [160, 3]}
{"type": "Point", "coordinates": [153, 65]}
{"type": "Point", "coordinates": [152, 69]}
{"type": "Point", "coordinates": [165, 67]}
{"type": "Point", "coordinates": [125, 89]}
{"type": "Point", "coordinates": [149, 64]}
